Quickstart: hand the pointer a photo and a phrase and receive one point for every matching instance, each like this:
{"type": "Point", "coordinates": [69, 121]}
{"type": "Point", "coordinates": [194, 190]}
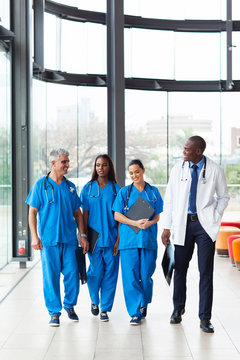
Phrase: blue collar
{"type": "Point", "coordinates": [199, 164]}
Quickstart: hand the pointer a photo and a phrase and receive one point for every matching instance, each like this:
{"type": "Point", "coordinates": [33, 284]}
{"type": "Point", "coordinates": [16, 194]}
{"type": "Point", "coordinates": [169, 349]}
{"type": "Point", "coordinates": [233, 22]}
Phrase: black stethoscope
{"type": "Point", "coordinates": [98, 193]}
{"type": "Point", "coordinates": [203, 179]}
{"type": "Point", "coordinates": [71, 189]}
{"type": "Point", "coordinates": [129, 192]}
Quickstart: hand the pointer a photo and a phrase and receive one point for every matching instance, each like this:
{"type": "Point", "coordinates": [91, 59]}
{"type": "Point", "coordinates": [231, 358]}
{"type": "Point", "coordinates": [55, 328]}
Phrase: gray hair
{"type": "Point", "coordinates": [55, 154]}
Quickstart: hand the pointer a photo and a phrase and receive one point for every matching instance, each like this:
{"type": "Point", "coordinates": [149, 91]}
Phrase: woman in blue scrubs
{"type": "Point", "coordinates": [138, 251]}
{"type": "Point", "coordinates": [97, 198]}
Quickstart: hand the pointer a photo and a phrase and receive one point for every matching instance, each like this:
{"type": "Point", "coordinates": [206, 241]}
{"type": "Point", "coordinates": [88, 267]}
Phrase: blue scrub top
{"type": "Point", "coordinates": [98, 202]}
{"type": "Point", "coordinates": [56, 223]}
{"type": "Point", "coordinates": [146, 239]}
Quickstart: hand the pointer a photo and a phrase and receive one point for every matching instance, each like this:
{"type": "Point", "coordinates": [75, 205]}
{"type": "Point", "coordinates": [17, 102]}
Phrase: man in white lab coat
{"type": "Point", "coordinates": [195, 199]}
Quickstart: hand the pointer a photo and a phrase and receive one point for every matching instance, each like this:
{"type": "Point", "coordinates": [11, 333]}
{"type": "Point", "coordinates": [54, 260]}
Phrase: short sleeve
{"type": "Point", "coordinates": [34, 198]}
{"type": "Point", "coordinates": [118, 187]}
{"type": "Point", "coordinates": [119, 202]}
{"type": "Point", "coordinates": [84, 199]}
{"type": "Point", "coordinates": [77, 202]}
{"type": "Point", "coordinates": [159, 202]}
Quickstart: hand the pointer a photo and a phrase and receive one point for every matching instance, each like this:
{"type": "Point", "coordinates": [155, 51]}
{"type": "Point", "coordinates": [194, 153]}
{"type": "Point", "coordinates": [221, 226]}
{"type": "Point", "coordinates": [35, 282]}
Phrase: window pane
{"type": "Point", "coordinates": [5, 14]}
{"type": "Point", "coordinates": [83, 48]}
{"type": "Point", "coordinates": [149, 53]}
{"type": "Point", "coordinates": [223, 59]}
{"type": "Point", "coordinates": [197, 56]}
{"type": "Point", "coordinates": [194, 114]}
{"type": "Point", "coordinates": [231, 148]}
{"type": "Point", "coordinates": [50, 41]}
{"type": "Point", "coordinates": [235, 9]}
{"type": "Point", "coordinates": [92, 130]}
{"type": "Point", "coordinates": [5, 161]}
{"type": "Point", "coordinates": [93, 5]}
{"type": "Point", "coordinates": [61, 120]}
{"type": "Point", "coordinates": [146, 133]}
{"type": "Point", "coordinates": [71, 117]}
{"type": "Point", "coordinates": [38, 140]}
{"type": "Point", "coordinates": [236, 55]}
{"type": "Point", "coordinates": [177, 9]}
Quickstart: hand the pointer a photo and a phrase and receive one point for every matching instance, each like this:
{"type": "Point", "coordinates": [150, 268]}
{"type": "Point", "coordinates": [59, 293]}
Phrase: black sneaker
{"type": "Point", "coordinates": [94, 309]}
{"type": "Point", "coordinates": [71, 314]}
{"type": "Point", "coordinates": [104, 316]}
{"type": "Point", "coordinates": [135, 321]}
{"type": "Point", "coordinates": [143, 310]}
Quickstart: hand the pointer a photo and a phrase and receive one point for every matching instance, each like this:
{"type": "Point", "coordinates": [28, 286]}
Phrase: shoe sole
{"type": "Point", "coordinates": [54, 325]}
{"type": "Point", "coordinates": [206, 331]}
{"type": "Point", "coordinates": [104, 320]}
{"type": "Point", "coordinates": [134, 324]}
{"type": "Point", "coordinates": [177, 322]}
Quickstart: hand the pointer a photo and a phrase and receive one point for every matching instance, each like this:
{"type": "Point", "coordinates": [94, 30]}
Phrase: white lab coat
{"type": "Point", "coordinates": [212, 199]}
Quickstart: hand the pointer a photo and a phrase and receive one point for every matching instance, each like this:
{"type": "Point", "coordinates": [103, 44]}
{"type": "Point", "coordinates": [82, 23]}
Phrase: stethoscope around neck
{"type": "Point", "coordinates": [203, 178]}
{"type": "Point", "coordinates": [71, 189]}
{"type": "Point", "coordinates": [129, 192]}
{"type": "Point", "coordinates": [98, 190]}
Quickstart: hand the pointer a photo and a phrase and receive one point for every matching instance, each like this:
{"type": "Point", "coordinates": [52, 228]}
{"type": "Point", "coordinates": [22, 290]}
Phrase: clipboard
{"type": "Point", "coordinates": [92, 237]}
{"type": "Point", "coordinates": [168, 263]}
{"type": "Point", "coordinates": [141, 209]}
{"type": "Point", "coordinates": [81, 262]}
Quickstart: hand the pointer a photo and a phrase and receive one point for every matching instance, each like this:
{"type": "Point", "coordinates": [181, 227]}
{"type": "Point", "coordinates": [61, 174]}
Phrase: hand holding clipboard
{"type": "Point", "coordinates": [139, 210]}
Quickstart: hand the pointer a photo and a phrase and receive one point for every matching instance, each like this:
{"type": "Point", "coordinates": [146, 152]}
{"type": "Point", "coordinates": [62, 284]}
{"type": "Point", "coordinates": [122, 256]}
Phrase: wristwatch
{"type": "Point", "coordinates": [83, 235]}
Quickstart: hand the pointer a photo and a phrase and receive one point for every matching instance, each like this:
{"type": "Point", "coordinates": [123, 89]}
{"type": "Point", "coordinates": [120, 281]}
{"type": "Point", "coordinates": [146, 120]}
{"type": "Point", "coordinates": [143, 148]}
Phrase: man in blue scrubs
{"type": "Point", "coordinates": [54, 199]}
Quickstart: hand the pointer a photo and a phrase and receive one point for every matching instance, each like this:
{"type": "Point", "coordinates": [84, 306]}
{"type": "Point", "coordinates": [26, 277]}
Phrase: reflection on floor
{"type": "Point", "coordinates": [25, 334]}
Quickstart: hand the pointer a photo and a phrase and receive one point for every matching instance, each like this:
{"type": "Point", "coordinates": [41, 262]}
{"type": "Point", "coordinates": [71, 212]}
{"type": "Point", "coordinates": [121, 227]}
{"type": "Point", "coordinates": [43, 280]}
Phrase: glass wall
{"type": "Point", "coordinates": [5, 161]}
{"type": "Point", "coordinates": [157, 123]}
{"type": "Point", "coordinates": [70, 117]}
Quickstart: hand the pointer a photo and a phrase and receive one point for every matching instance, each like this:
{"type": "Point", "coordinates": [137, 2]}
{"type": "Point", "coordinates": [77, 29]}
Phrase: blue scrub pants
{"type": "Point", "coordinates": [56, 260]}
{"type": "Point", "coordinates": [183, 254]}
{"type": "Point", "coordinates": [138, 266]}
{"type": "Point", "coordinates": [102, 277]}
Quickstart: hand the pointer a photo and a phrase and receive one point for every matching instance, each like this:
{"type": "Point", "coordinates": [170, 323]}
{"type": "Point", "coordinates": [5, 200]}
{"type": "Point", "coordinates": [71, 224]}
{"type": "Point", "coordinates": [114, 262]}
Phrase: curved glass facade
{"type": "Point", "coordinates": [156, 123]}
{"type": "Point", "coordinates": [175, 74]}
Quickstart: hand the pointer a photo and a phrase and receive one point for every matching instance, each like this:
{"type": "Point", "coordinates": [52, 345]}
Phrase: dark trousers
{"type": "Point", "coordinates": [183, 254]}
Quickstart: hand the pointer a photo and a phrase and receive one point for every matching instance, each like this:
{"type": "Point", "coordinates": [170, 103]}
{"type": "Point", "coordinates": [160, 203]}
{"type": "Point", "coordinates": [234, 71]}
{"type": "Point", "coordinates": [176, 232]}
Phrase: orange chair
{"type": "Point", "coordinates": [230, 248]}
{"type": "Point", "coordinates": [221, 242]}
{"type": "Point", "coordinates": [236, 252]}
{"type": "Point", "coordinates": [231, 223]}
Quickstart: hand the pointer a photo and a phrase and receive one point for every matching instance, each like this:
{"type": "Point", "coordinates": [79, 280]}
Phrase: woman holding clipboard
{"type": "Point", "coordinates": [97, 197]}
{"type": "Point", "coordinates": [137, 239]}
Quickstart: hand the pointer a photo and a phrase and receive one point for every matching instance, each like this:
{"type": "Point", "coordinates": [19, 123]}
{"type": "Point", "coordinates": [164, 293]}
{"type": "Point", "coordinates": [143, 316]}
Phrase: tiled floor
{"type": "Point", "coordinates": [25, 334]}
